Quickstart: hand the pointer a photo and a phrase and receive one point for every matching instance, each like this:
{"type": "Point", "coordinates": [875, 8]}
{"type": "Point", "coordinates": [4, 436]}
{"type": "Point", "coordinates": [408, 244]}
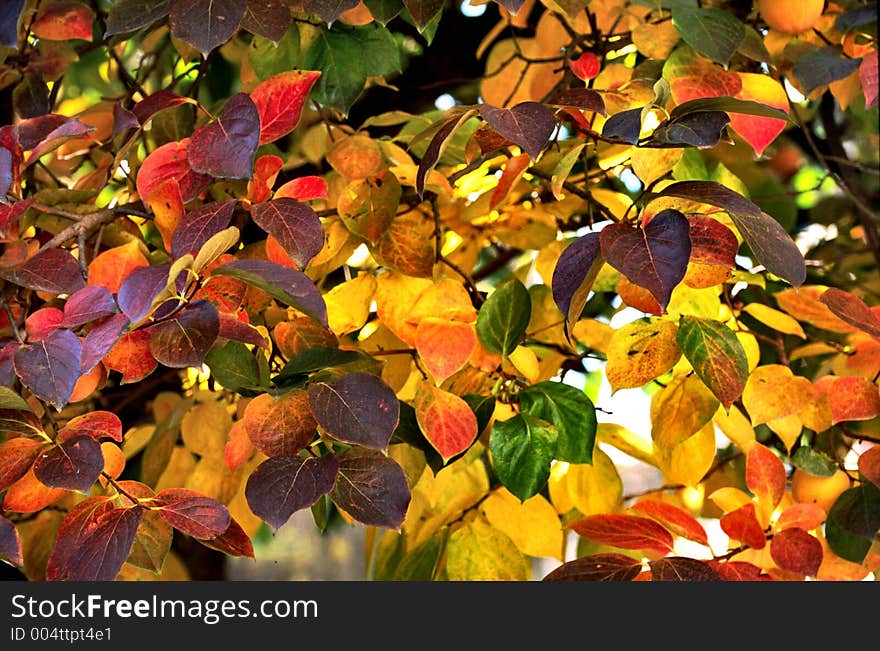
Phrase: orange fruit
{"type": "Point", "coordinates": [821, 491]}
{"type": "Point", "coordinates": [791, 16]}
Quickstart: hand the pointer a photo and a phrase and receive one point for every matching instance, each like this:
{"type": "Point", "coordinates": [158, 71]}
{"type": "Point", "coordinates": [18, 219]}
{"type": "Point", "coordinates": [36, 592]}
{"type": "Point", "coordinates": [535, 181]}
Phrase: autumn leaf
{"type": "Point", "coordinates": [625, 531]}
{"type": "Point", "coordinates": [446, 420]}
{"type": "Point", "coordinates": [280, 100]}
{"type": "Point", "coordinates": [716, 355]}
{"type": "Point", "coordinates": [597, 567]}
{"type": "Point", "coordinates": [641, 351]}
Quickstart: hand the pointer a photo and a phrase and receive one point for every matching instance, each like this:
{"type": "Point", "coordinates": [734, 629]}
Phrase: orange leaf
{"type": "Point", "coordinates": [239, 447]}
{"type": "Point", "coordinates": [794, 550]}
{"type": "Point", "coordinates": [849, 397]}
{"type": "Point", "coordinates": [280, 101]}
{"type": "Point", "coordinates": [804, 305]}
{"type": "Point", "coordinates": [755, 130]}
{"type": "Point", "coordinates": [773, 391]}
{"type": "Point", "coordinates": [678, 521]}
{"type": "Point", "coordinates": [869, 465]}
{"type": "Point", "coordinates": [280, 426]}
{"type": "Point", "coordinates": [304, 188]}
{"type": "Point", "coordinates": [266, 170]}
{"type": "Point", "coordinates": [64, 21]}
{"type": "Point", "coordinates": [802, 515]}
{"type": "Point", "coordinates": [765, 475]}
{"type": "Point", "coordinates": [446, 420]}
{"type": "Point", "coordinates": [625, 531]}
{"type": "Point", "coordinates": [301, 333]}
{"type": "Point", "coordinates": [356, 157]}
{"type": "Point", "coordinates": [513, 172]}
{"type": "Point", "coordinates": [166, 202]}
{"type": "Point", "coordinates": [739, 571]}
{"type": "Point", "coordinates": [742, 524]}
{"type": "Point", "coordinates": [851, 309]}
{"type": "Point", "coordinates": [29, 494]}
{"type": "Point", "coordinates": [445, 346]}
{"type": "Point", "coordinates": [114, 265]}
{"type": "Point", "coordinates": [637, 297]}
{"type": "Point", "coordinates": [131, 356]}
{"type": "Point", "coordinates": [114, 460]}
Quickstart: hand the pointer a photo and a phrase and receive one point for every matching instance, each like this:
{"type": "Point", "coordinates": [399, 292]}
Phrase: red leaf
{"type": "Point", "coordinates": [17, 455]}
{"type": "Point", "coordinates": [280, 101]}
{"type": "Point", "coordinates": [528, 124]}
{"type": "Point", "coordinates": [234, 541]}
{"type": "Point", "coordinates": [62, 21]}
{"type": "Point", "coordinates": [47, 132]}
{"type": "Point", "coordinates": [742, 524]}
{"type": "Point", "coordinates": [93, 542]}
{"type": "Point", "coordinates": [869, 465]}
{"type": "Point", "coordinates": [280, 426]}
{"type": "Point", "coordinates": [849, 397]}
{"type": "Point", "coordinates": [678, 568]}
{"type": "Point", "coordinates": [304, 188]}
{"type": "Point", "coordinates": [185, 339]}
{"type": "Point", "coordinates": [200, 225]}
{"type": "Point", "coordinates": [597, 567]}
{"type": "Point", "coordinates": [626, 531]}
{"type": "Point", "coordinates": [10, 213]}
{"type": "Point", "coordinates": [868, 76]}
{"type": "Point", "coordinates": [678, 521]}
{"type": "Point", "coordinates": [803, 515]}
{"type": "Point", "coordinates": [586, 66]}
{"type": "Point", "coordinates": [281, 486]}
{"type": "Point", "coordinates": [266, 170]}
{"type": "Point", "coordinates": [294, 225]}
{"type": "Point", "coordinates": [712, 242]}
{"type": "Point", "coordinates": [446, 420]}
{"type": "Point", "coordinates": [794, 550]}
{"type": "Point", "coordinates": [739, 571]}
{"type": "Point", "coordinates": [765, 474]}
{"type": "Point", "coordinates": [51, 367]}
{"type": "Point", "coordinates": [53, 270]}
{"type": "Point", "coordinates": [76, 464]}
{"type": "Point", "coordinates": [131, 356]}
{"type": "Point", "coordinates": [170, 162]}
{"type": "Point", "coordinates": [10, 544]}
{"type": "Point", "coordinates": [852, 309]}
{"type": "Point", "coordinates": [225, 148]}
{"type": "Point", "coordinates": [42, 322]}
{"type": "Point", "coordinates": [238, 448]}
{"type": "Point", "coordinates": [206, 24]}
{"type": "Point", "coordinates": [513, 172]}
{"type": "Point", "coordinates": [96, 424]}
{"type": "Point", "coordinates": [86, 305]}
{"type": "Point", "coordinates": [156, 103]}
{"type": "Point", "coordinates": [191, 513]}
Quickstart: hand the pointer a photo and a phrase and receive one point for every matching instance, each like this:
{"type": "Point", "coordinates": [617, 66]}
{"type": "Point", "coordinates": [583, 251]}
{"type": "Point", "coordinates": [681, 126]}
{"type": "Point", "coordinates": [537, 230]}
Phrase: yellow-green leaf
{"type": "Point", "coordinates": [679, 410]}
{"type": "Point", "coordinates": [480, 552]}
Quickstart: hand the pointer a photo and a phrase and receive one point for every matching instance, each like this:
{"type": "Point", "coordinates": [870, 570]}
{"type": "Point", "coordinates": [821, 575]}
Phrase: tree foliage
{"type": "Point", "coordinates": [249, 268]}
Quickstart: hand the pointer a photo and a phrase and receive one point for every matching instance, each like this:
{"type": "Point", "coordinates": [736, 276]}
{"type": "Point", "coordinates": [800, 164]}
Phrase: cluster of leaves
{"type": "Point", "coordinates": [223, 303]}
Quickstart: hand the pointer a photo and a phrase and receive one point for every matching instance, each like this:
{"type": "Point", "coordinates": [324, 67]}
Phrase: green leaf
{"type": "Point", "coordinates": [318, 358]}
{"type": "Point", "coordinates": [483, 408]}
{"type": "Point", "coordinates": [9, 399]}
{"type": "Point", "coordinates": [713, 33]}
{"type": "Point", "coordinates": [853, 522]}
{"type": "Point", "coordinates": [421, 563]}
{"type": "Point", "coordinates": [480, 552]}
{"type": "Point", "coordinates": [234, 366]}
{"type": "Point", "coordinates": [729, 105]}
{"type": "Point", "coordinates": [716, 355]}
{"type": "Point", "coordinates": [572, 413]}
{"type": "Point", "coordinates": [504, 317]}
{"type": "Point", "coordinates": [267, 58]}
{"type": "Point", "coordinates": [383, 11]}
{"type": "Point", "coordinates": [822, 67]}
{"type": "Point", "coordinates": [813, 461]}
{"type": "Point", "coordinates": [522, 449]}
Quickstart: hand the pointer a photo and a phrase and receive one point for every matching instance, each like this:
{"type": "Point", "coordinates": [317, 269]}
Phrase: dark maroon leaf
{"type": "Point", "coordinates": [10, 11]}
{"type": "Point", "coordinates": [598, 567]}
{"type": "Point", "coordinates": [93, 542]}
{"type": "Point", "coordinates": [86, 305]}
{"type": "Point", "coordinates": [155, 103]}
{"type": "Point", "coordinates": [75, 465]}
{"type": "Point", "coordinates": [192, 513]}
{"type": "Point", "coordinates": [123, 120]}
{"type": "Point", "coordinates": [139, 288]}
{"type": "Point", "coordinates": [513, 6]}
{"type": "Point", "coordinates": [30, 98]}
{"type": "Point", "coordinates": [7, 173]}
{"type": "Point", "coordinates": [128, 16]}
{"type": "Point", "coordinates": [100, 340]}
{"type": "Point", "coordinates": [794, 550]}
{"type": "Point", "coordinates": [822, 67]}
{"type": "Point", "coordinates": [17, 455]}
{"type": "Point", "coordinates": [357, 408]}
{"type": "Point", "coordinates": [528, 124]}
{"type": "Point", "coordinates": [850, 308]}
{"type": "Point", "coordinates": [423, 11]}
{"type": "Point", "coordinates": [290, 286]}
{"type": "Point", "coordinates": [7, 368]}
{"type": "Point", "coordinates": [53, 270]}
{"type": "Point", "coordinates": [435, 149]}
{"type": "Point", "coordinates": [69, 128]}
{"type": "Point", "coordinates": [199, 226]}
{"type": "Point", "coordinates": [33, 131]}
{"type": "Point", "coordinates": [281, 486]}
{"type": "Point", "coordinates": [625, 126]}
{"type": "Point", "coordinates": [233, 328]}
{"type": "Point", "coordinates": [10, 544]}
{"type": "Point", "coordinates": [267, 18]}
{"type": "Point", "coordinates": [186, 338]}
{"type": "Point", "coordinates": [680, 568]}
{"type": "Point", "coordinates": [294, 224]}
{"type": "Point", "coordinates": [225, 148]}
{"type": "Point", "coordinates": [9, 213]}
{"type": "Point", "coordinates": [234, 541]}
{"type": "Point", "coordinates": [582, 98]}
{"type": "Point", "coordinates": [328, 10]}
{"type": "Point", "coordinates": [371, 488]}
{"type": "Point", "coordinates": [766, 237]}
{"type": "Point", "coordinates": [205, 24]}
{"type": "Point", "coordinates": [654, 257]}
{"type": "Point", "coordinates": [712, 242]}
{"type": "Point", "coordinates": [701, 129]}
{"type": "Point", "coordinates": [49, 368]}
{"type": "Point", "coordinates": [574, 274]}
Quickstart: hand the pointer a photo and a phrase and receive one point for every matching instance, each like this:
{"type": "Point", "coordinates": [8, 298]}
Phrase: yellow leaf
{"type": "Point", "coordinates": [804, 305]}
{"type": "Point", "coordinates": [525, 361]}
{"type": "Point", "coordinates": [787, 428]}
{"type": "Point", "coordinates": [178, 469]}
{"type": "Point", "coordinates": [395, 296]}
{"type": "Point", "coordinates": [595, 488]}
{"type": "Point", "coordinates": [817, 414]}
{"type": "Point", "coordinates": [204, 429]}
{"type": "Point", "coordinates": [702, 275]}
{"type": "Point", "coordinates": [773, 391]}
{"type": "Point", "coordinates": [729, 498]}
{"type": "Point", "coordinates": [651, 164]}
{"type": "Point", "coordinates": [779, 321]}
{"type": "Point", "coordinates": [136, 439]}
{"type": "Point", "coordinates": [689, 461]}
{"type": "Point", "coordinates": [339, 244]}
{"type": "Point", "coordinates": [641, 351]}
{"type": "Point", "coordinates": [699, 302]}
{"type": "Point", "coordinates": [679, 410]}
{"type": "Point", "coordinates": [212, 477]}
{"type": "Point", "coordinates": [533, 525]}
{"type": "Point", "coordinates": [751, 347]}
{"type": "Point", "coordinates": [348, 304]}
{"type": "Point", "coordinates": [480, 552]}
{"type": "Point", "coordinates": [557, 487]}
{"type": "Point", "coordinates": [736, 427]}
{"type": "Point", "coordinates": [627, 442]}
{"type": "Point", "coordinates": [593, 334]}
{"type": "Point", "coordinates": [396, 369]}
{"type": "Point", "coordinates": [655, 41]}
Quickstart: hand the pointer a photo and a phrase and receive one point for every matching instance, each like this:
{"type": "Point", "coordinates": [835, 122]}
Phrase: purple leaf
{"type": "Point", "coordinates": [625, 126]}
{"type": "Point", "coordinates": [50, 367]}
{"type": "Point", "coordinates": [128, 16]}
{"type": "Point", "coordinates": [199, 226]}
{"type": "Point", "coordinates": [328, 10]}
{"type": "Point", "coordinates": [75, 465]}
{"type": "Point", "coordinates": [185, 339]}
{"type": "Point", "coordinates": [294, 224]}
{"type": "Point", "coordinates": [10, 544]}
{"type": "Point", "coordinates": [123, 120]}
{"type": "Point", "coordinates": [371, 488]}
{"type": "Point", "coordinates": [30, 98]}
{"type": "Point", "coordinates": [53, 270]}
{"type": "Point", "coordinates": [93, 542]}
{"type": "Point", "coordinates": [654, 257]}
{"type": "Point", "coordinates": [139, 288]}
{"type": "Point", "coordinates": [582, 98]}
{"type": "Point", "coordinates": [357, 408]}
{"type": "Point", "coordinates": [513, 6]}
{"type": "Point", "coordinates": [45, 142]}
{"type": "Point", "coordinates": [528, 124]}
{"type": "Point", "coordinates": [192, 513]}
{"type": "Point", "coordinates": [33, 131]}
{"type": "Point", "coordinates": [225, 148]}
{"type": "Point", "coordinates": [100, 340]}
{"type": "Point", "coordinates": [7, 368]}
{"type": "Point", "coordinates": [205, 24]}
{"type": "Point", "coordinates": [290, 286]}
{"type": "Point", "coordinates": [765, 236]}
{"type": "Point", "coordinates": [86, 305]}
{"type": "Point", "coordinates": [10, 11]}
{"type": "Point", "coordinates": [237, 330]}
{"type": "Point", "coordinates": [281, 486]}
{"type": "Point", "coordinates": [423, 11]}
{"type": "Point", "coordinates": [436, 147]}
{"type": "Point", "coordinates": [7, 175]}
{"type": "Point", "coordinates": [700, 129]}
{"type": "Point", "coordinates": [574, 275]}
{"type": "Point", "coordinates": [267, 18]}
{"type": "Point", "coordinates": [155, 103]}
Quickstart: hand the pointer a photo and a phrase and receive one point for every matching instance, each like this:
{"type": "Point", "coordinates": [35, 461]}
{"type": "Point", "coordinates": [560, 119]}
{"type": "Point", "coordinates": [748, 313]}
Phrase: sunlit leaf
{"type": "Point", "coordinates": [678, 521]}
{"type": "Point", "coordinates": [480, 552]}
{"type": "Point", "coordinates": [795, 550]}
{"type": "Point", "coordinates": [742, 525]}
{"type": "Point", "coordinates": [191, 512]}
{"type": "Point", "coordinates": [280, 426]}
{"type": "Point", "coordinates": [641, 351]}
{"type": "Point", "coordinates": [716, 355]}
{"type": "Point", "coordinates": [280, 100]}
{"type": "Point", "coordinates": [446, 420]}
{"type": "Point", "coordinates": [625, 531]}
